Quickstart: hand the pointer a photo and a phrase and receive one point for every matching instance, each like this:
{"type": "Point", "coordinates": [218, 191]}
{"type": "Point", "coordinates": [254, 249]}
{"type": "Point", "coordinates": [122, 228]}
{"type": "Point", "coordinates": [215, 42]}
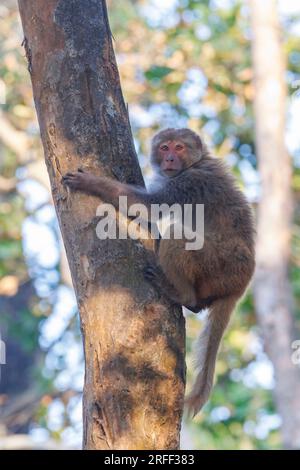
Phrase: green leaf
{"type": "Point", "coordinates": [157, 72]}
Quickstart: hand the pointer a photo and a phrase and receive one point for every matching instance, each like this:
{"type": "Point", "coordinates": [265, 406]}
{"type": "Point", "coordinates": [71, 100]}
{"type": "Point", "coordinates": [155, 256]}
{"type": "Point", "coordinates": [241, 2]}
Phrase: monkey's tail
{"type": "Point", "coordinates": [206, 352]}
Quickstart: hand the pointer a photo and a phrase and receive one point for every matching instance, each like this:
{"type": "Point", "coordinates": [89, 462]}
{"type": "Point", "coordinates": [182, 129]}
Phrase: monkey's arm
{"type": "Point", "coordinates": [106, 189]}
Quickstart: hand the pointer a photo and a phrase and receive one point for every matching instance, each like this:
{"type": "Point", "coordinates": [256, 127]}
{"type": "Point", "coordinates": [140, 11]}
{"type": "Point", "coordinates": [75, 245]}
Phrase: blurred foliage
{"type": "Point", "coordinates": [184, 63]}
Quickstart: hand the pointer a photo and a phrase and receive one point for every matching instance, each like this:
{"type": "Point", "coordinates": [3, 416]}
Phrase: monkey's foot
{"type": "Point", "coordinates": [155, 275]}
{"type": "Point", "coordinates": [152, 273]}
{"type": "Point", "coordinates": [202, 304]}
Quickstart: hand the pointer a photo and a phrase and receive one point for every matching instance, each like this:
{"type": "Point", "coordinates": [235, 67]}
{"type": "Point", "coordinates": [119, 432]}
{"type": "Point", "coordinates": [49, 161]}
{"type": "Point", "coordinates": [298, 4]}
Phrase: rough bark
{"type": "Point", "coordinates": [133, 340]}
{"type": "Point", "coordinates": [272, 293]}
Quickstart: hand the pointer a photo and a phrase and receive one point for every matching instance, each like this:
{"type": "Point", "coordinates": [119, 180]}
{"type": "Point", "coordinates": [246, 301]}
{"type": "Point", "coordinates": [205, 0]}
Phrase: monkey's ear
{"type": "Point", "coordinates": [192, 138]}
{"type": "Point", "coordinates": [154, 155]}
{"type": "Point", "coordinates": [199, 142]}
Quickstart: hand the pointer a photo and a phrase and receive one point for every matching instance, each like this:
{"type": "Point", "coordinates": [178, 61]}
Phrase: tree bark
{"type": "Point", "coordinates": [272, 292]}
{"type": "Point", "coordinates": [133, 340]}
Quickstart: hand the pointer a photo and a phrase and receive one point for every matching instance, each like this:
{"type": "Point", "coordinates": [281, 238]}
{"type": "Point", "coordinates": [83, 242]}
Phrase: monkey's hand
{"type": "Point", "coordinates": [80, 180]}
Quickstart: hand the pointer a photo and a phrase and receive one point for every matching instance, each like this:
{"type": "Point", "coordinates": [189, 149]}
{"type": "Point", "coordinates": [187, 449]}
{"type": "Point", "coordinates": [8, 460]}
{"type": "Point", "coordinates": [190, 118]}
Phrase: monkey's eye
{"type": "Point", "coordinates": [179, 147]}
{"type": "Point", "coordinates": [164, 148]}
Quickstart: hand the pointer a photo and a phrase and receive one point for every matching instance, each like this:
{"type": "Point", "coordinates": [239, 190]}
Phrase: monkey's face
{"type": "Point", "coordinates": [174, 150]}
{"type": "Point", "coordinates": [172, 155]}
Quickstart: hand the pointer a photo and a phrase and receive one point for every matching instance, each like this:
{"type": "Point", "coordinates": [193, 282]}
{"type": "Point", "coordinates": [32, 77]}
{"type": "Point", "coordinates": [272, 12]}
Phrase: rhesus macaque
{"type": "Point", "coordinates": [213, 277]}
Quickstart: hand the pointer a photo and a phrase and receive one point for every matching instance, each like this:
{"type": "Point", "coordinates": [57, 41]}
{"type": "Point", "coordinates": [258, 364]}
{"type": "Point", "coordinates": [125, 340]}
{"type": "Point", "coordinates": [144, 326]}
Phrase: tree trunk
{"type": "Point", "coordinates": [272, 293]}
{"type": "Point", "coordinates": [133, 342]}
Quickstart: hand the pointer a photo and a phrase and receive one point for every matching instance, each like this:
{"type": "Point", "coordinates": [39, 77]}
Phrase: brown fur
{"type": "Point", "coordinates": [215, 276]}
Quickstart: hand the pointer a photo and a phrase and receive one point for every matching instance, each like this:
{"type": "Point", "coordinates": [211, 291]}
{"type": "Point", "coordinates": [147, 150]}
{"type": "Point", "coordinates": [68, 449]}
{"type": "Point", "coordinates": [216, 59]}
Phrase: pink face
{"type": "Point", "coordinates": [172, 155]}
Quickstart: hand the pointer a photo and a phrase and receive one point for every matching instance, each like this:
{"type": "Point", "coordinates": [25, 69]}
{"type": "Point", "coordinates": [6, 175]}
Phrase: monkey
{"type": "Point", "coordinates": [213, 277]}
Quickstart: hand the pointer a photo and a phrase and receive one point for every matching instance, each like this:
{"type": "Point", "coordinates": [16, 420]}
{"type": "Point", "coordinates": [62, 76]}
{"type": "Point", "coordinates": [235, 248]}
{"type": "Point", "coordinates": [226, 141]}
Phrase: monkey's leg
{"type": "Point", "coordinates": [182, 294]}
